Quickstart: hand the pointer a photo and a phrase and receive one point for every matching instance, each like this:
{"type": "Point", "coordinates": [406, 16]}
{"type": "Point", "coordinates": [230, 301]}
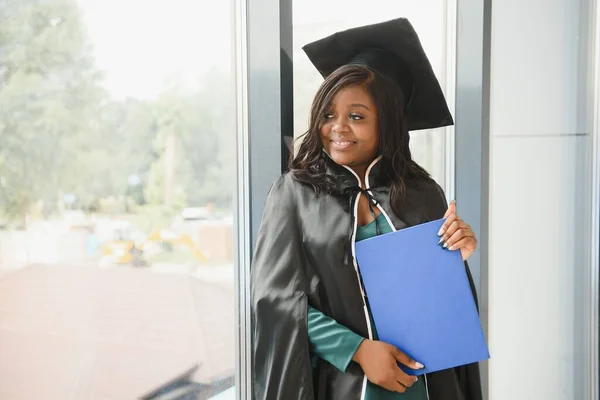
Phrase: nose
{"type": "Point", "coordinates": [339, 124]}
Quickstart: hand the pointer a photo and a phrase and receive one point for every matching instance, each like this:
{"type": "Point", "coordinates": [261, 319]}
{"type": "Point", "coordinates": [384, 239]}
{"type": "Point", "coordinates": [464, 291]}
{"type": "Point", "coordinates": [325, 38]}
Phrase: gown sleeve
{"type": "Point", "coordinates": [330, 340]}
{"type": "Point", "coordinates": [281, 367]}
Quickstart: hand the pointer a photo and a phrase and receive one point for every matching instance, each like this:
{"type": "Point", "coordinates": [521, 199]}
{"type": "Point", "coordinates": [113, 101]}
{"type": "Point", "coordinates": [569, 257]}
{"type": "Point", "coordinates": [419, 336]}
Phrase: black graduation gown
{"type": "Point", "coordinates": [299, 260]}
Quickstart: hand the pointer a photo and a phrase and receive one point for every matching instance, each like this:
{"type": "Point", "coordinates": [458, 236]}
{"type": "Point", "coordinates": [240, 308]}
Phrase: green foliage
{"type": "Point", "coordinates": [47, 80]}
{"type": "Point", "coordinates": [61, 132]}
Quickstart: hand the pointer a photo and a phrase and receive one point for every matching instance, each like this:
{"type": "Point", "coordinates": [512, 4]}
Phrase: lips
{"type": "Point", "coordinates": [341, 144]}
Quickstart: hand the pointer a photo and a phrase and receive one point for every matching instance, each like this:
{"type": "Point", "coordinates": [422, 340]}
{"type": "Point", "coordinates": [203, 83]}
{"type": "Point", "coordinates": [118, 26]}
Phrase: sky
{"type": "Point", "coordinates": [142, 45]}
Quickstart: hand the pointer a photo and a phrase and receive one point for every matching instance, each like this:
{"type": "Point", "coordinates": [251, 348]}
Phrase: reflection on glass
{"type": "Point", "coordinates": [116, 184]}
{"type": "Point", "coordinates": [429, 19]}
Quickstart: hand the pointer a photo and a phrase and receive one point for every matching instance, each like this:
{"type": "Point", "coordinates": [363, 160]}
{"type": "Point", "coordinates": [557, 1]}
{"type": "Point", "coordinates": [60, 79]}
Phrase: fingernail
{"type": "Point", "coordinates": [445, 245]}
{"type": "Point", "coordinates": [453, 202]}
{"type": "Point", "coordinates": [416, 378]}
{"type": "Point", "coordinates": [419, 365]}
{"type": "Point", "coordinates": [441, 232]}
{"type": "Point", "coordinates": [451, 248]}
{"type": "Point", "coordinates": [441, 241]}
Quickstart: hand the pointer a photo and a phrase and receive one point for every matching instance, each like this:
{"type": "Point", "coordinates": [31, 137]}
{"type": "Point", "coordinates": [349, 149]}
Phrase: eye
{"type": "Point", "coordinates": [356, 117]}
{"type": "Point", "coordinates": [328, 116]}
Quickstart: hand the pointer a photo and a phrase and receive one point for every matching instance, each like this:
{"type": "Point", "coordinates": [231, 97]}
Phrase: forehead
{"type": "Point", "coordinates": [355, 94]}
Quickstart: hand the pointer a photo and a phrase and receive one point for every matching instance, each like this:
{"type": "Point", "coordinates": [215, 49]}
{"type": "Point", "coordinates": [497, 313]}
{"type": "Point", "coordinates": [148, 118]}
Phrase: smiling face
{"type": "Point", "coordinates": [349, 129]}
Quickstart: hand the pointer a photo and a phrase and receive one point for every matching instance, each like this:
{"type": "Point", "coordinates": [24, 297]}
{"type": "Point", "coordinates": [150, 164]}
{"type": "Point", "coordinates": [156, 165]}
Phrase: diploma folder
{"type": "Point", "coordinates": [420, 298]}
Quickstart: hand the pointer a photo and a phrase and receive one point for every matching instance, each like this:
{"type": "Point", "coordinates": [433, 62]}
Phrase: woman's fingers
{"type": "Point", "coordinates": [405, 359]}
{"type": "Point", "coordinates": [468, 242]}
{"type": "Point", "coordinates": [456, 232]}
{"type": "Point", "coordinates": [405, 379]}
{"type": "Point", "coordinates": [450, 219]}
{"type": "Point", "coordinates": [395, 386]}
{"type": "Point", "coordinates": [451, 209]}
{"type": "Point", "coordinates": [455, 226]}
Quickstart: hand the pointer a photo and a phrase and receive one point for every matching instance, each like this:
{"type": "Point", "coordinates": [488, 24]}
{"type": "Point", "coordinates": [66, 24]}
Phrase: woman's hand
{"type": "Point", "coordinates": [456, 234]}
{"type": "Point", "coordinates": [378, 361]}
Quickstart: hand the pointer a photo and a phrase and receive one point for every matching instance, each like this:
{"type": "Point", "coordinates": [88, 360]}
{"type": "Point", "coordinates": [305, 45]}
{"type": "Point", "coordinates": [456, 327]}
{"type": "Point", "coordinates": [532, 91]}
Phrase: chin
{"type": "Point", "coordinates": [341, 159]}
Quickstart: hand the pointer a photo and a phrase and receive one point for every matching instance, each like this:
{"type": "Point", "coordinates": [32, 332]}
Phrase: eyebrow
{"type": "Point", "coordinates": [359, 105]}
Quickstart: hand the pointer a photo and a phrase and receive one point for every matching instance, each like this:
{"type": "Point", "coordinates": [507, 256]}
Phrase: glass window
{"type": "Point", "coordinates": [117, 176]}
{"type": "Point", "coordinates": [314, 20]}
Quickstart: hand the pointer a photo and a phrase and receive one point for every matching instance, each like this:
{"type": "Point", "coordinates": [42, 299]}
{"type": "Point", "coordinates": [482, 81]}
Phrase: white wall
{"type": "Point", "coordinates": [535, 230]}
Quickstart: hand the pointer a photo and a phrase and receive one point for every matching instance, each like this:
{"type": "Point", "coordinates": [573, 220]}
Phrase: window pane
{"type": "Point", "coordinates": [429, 20]}
{"type": "Point", "coordinates": [117, 146]}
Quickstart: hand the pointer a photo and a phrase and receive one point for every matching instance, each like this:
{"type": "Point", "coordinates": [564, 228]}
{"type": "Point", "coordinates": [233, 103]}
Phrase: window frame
{"type": "Point", "coordinates": [264, 79]}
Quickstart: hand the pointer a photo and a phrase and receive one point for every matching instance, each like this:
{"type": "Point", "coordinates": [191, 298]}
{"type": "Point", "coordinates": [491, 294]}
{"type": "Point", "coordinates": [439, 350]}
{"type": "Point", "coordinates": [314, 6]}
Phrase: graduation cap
{"type": "Point", "coordinates": [393, 50]}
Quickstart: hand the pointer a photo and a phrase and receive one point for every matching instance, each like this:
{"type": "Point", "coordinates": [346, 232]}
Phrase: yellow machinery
{"type": "Point", "coordinates": [128, 251]}
{"type": "Point", "coordinates": [158, 236]}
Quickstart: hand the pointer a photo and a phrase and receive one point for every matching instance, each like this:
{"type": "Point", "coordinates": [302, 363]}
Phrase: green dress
{"type": "Point", "coordinates": [337, 344]}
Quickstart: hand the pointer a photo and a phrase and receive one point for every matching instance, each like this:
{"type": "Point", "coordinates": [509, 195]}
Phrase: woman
{"type": "Point", "coordinates": [352, 178]}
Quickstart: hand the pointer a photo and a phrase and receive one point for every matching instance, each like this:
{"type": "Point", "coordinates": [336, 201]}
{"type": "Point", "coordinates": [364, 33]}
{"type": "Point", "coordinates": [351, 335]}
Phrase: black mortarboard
{"type": "Point", "coordinates": [393, 50]}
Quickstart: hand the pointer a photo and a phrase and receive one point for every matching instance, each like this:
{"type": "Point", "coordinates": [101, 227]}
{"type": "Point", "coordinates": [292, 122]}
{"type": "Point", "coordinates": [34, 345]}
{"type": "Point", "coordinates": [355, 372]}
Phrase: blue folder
{"type": "Point", "coordinates": [420, 298]}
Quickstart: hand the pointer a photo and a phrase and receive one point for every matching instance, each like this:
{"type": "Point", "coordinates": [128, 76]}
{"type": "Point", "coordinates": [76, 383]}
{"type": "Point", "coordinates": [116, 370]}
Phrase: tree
{"type": "Point", "coordinates": [61, 133]}
{"type": "Point", "coordinates": [118, 147]}
{"type": "Point", "coordinates": [210, 144]}
{"type": "Point", "coordinates": [48, 87]}
{"type": "Point", "coordinates": [195, 146]}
